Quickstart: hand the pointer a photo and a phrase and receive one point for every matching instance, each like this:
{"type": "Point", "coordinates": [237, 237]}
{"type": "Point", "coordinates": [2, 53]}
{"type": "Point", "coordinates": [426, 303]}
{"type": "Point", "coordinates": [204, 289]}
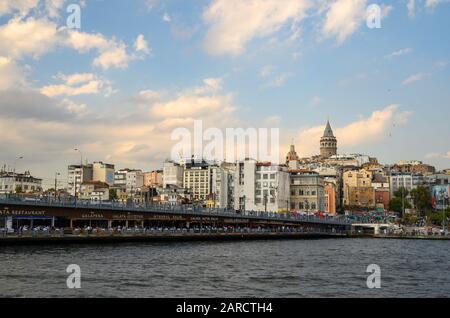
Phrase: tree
{"type": "Point", "coordinates": [396, 205]}
{"type": "Point", "coordinates": [421, 198]}
{"type": "Point", "coordinates": [113, 194]}
{"type": "Point", "coordinates": [401, 192]}
{"type": "Point", "coordinates": [19, 189]}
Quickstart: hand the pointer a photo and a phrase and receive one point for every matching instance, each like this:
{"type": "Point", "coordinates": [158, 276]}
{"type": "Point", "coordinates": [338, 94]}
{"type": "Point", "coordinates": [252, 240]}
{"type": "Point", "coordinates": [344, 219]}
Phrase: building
{"type": "Point", "coordinates": [437, 179]}
{"type": "Point", "coordinates": [129, 181]}
{"type": "Point", "coordinates": [173, 174]}
{"type": "Point", "coordinates": [409, 181]}
{"type": "Point", "coordinates": [261, 187]}
{"type": "Point", "coordinates": [153, 178]}
{"type": "Point", "coordinates": [78, 174]}
{"type": "Point", "coordinates": [330, 191]}
{"type": "Point", "coordinates": [350, 160]}
{"type": "Point", "coordinates": [174, 196]}
{"type": "Point", "coordinates": [94, 191]}
{"type": "Point", "coordinates": [11, 182]}
{"type": "Point", "coordinates": [328, 143]}
{"type": "Point", "coordinates": [358, 190]}
{"type": "Point", "coordinates": [414, 167]}
{"type": "Point", "coordinates": [382, 193]}
{"type": "Point", "coordinates": [292, 159]}
{"type": "Point", "coordinates": [103, 172]}
{"type": "Point", "coordinates": [307, 191]}
{"type": "Point", "coordinates": [197, 179]}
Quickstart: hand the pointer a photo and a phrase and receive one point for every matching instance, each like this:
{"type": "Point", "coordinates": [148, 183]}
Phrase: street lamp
{"type": "Point", "coordinates": [14, 171]}
{"type": "Point", "coordinates": [56, 183]}
{"type": "Point", "coordinates": [81, 174]}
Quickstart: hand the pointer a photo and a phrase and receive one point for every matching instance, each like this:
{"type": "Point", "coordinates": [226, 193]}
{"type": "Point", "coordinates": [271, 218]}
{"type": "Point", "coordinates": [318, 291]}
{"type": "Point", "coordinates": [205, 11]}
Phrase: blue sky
{"type": "Point", "coordinates": [264, 63]}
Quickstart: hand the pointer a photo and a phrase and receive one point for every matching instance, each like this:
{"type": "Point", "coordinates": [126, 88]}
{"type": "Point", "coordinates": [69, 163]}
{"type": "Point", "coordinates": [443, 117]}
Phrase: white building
{"type": "Point", "coordinates": [129, 180]}
{"type": "Point", "coordinates": [407, 181]}
{"type": "Point", "coordinates": [76, 175]}
{"type": "Point", "coordinates": [94, 191]}
{"type": "Point", "coordinates": [10, 182]}
{"type": "Point", "coordinates": [173, 174]}
{"type": "Point", "coordinates": [261, 187]}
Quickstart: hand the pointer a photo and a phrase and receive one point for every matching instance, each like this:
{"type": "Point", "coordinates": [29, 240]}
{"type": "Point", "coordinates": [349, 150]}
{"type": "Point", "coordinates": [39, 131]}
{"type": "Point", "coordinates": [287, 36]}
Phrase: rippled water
{"type": "Point", "coordinates": [319, 268]}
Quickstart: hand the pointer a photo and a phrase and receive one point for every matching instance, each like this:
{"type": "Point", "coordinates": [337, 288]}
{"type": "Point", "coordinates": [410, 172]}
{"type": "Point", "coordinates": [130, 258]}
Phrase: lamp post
{"type": "Point", "coordinates": [14, 171]}
{"type": "Point", "coordinates": [56, 182]}
{"type": "Point", "coordinates": [81, 174]}
{"type": "Point", "coordinates": [443, 212]}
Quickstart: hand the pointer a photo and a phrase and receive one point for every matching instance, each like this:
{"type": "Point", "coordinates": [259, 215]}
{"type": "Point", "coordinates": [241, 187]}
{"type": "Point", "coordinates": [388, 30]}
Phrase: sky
{"type": "Point", "coordinates": [136, 70]}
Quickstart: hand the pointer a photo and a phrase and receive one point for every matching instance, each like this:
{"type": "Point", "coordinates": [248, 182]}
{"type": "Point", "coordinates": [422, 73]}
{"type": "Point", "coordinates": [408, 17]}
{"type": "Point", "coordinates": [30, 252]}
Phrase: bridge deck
{"type": "Point", "coordinates": [8, 206]}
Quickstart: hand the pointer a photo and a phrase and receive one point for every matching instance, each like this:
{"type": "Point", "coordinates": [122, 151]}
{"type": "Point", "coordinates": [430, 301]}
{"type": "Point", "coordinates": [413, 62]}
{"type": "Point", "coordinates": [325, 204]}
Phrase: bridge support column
{"type": "Point", "coordinates": [126, 223]}
{"type": "Point", "coordinates": [53, 221]}
{"type": "Point", "coordinates": [71, 223]}
{"type": "Point", "coordinates": [109, 224]}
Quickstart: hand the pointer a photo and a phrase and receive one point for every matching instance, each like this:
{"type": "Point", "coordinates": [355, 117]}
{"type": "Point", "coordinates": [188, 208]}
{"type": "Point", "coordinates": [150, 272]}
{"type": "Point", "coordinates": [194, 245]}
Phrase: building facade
{"type": "Point", "coordinates": [11, 182]}
{"type": "Point", "coordinates": [129, 180]}
{"type": "Point", "coordinates": [330, 191]}
{"type": "Point", "coordinates": [307, 191]}
{"type": "Point", "coordinates": [358, 190]}
{"type": "Point", "coordinates": [261, 187]}
{"type": "Point", "coordinates": [173, 174]}
{"type": "Point", "coordinates": [153, 178]}
{"type": "Point", "coordinates": [76, 175]}
{"type": "Point", "coordinates": [103, 172]}
{"type": "Point", "coordinates": [94, 191]}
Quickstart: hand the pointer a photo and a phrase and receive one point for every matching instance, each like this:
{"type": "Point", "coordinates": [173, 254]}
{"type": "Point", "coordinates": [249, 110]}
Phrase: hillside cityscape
{"type": "Point", "coordinates": [328, 183]}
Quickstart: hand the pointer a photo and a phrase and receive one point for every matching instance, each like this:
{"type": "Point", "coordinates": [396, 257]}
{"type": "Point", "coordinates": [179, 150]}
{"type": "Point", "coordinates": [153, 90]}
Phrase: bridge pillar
{"type": "Point", "coordinates": [71, 223]}
{"type": "Point", "coordinates": [126, 223]}
{"type": "Point", "coordinates": [109, 224]}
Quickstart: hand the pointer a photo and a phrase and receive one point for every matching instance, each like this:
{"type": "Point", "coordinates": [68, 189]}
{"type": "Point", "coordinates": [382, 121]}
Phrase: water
{"type": "Point", "coordinates": [320, 268]}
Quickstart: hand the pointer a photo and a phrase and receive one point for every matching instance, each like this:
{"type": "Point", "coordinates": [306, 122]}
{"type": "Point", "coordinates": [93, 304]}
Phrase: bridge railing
{"type": "Point", "coordinates": [173, 209]}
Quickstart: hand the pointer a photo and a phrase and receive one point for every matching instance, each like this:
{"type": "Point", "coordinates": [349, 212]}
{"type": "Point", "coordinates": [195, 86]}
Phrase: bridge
{"type": "Point", "coordinates": [17, 212]}
{"type": "Point", "coordinates": [370, 228]}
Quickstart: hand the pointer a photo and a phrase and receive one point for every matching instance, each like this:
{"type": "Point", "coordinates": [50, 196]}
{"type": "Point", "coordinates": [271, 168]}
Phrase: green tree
{"type": "Point", "coordinates": [401, 192]}
{"type": "Point", "coordinates": [113, 194]}
{"type": "Point", "coordinates": [396, 205]}
{"type": "Point", "coordinates": [421, 198]}
{"type": "Point", "coordinates": [19, 189]}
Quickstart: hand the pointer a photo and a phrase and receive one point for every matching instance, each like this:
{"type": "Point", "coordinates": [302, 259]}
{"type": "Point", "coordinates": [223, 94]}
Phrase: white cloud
{"type": "Point", "coordinates": [434, 3]}
{"type": "Point", "coordinates": [11, 75]}
{"type": "Point", "coordinates": [166, 17]}
{"type": "Point", "coordinates": [399, 53]}
{"type": "Point", "coordinates": [78, 84]}
{"type": "Point", "coordinates": [413, 78]}
{"type": "Point", "coordinates": [27, 37]}
{"type": "Point", "coordinates": [411, 6]}
{"type": "Point", "coordinates": [362, 131]}
{"type": "Point", "coordinates": [141, 45]}
{"type": "Point", "coordinates": [111, 52]}
{"type": "Point", "coordinates": [343, 18]}
{"type": "Point", "coordinates": [436, 155]}
{"type": "Point", "coordinates": [234, 23]}
{"type": "Point", "coordinates": [20, 6]}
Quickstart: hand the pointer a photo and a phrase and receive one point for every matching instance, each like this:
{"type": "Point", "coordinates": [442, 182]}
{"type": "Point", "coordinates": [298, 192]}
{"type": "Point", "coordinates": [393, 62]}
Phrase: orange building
{"type": "Point", "coordinates": [153, 179]}
{"type": "Point", "coordinates": [330, 197]}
